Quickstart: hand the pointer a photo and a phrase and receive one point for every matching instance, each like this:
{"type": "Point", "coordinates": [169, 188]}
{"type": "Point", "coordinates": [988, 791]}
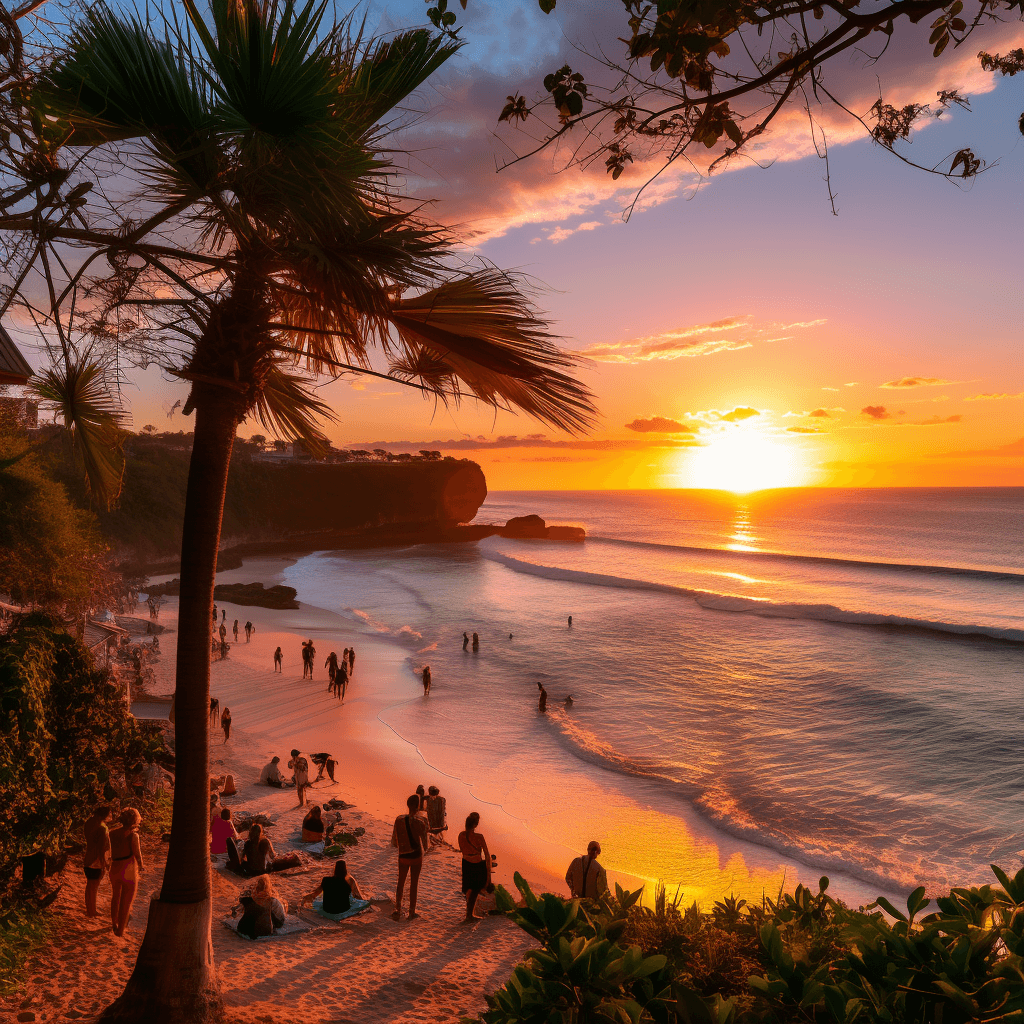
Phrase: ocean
{"type": "Point", "coordinates": [832, 676]}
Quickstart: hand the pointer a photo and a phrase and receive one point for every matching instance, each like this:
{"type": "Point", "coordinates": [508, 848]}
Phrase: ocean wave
{"type": "Point", "coordinates": [992, 575]}
{"type": "Point", "coordinates": [755, 606]}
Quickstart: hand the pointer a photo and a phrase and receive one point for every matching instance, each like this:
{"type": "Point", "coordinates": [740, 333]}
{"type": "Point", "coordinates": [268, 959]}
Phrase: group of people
{"type": "Point", "coordinates": [271, 775]}
{"type": "Point", "coordinates": [542, 701]}
{"type": "Point", "coordinates": [224, 717]}
{"type": "Point", "coordinates": [476, 641]}
{"type": "Point", "coordinates": [338, 672]}
{"type": "Point", "coordinates": [118, 852]}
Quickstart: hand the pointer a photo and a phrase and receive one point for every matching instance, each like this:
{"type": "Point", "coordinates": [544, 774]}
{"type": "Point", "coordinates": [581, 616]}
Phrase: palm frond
{"type": "Point", "coordinates": [483, 327]}
{"type": "Point", "coordinates": [287, 406]}
{"type": "Point", "coordinates": [79, 393]}
{"type": "Point", "coordinates": [428, 370]}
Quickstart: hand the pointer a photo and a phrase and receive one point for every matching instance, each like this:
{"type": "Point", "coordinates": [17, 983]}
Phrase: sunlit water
{"type": "Point", "coordinates": [834, 675]}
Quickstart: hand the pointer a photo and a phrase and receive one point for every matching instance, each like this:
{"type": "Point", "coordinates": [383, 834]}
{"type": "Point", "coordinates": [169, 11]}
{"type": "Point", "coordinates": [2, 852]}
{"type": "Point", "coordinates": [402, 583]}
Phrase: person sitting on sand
{"type": "Point", "coordinates": [313, 825]}
{"type": "Point", "coordinates": [221, 830]}
{"type": "Point", "coordinates": [410, 836]}
{"type": "Point", "coordinates": [272, 774]}
{"type": "Point", "coordinates": [476, 865]}
{"type": "Point", "coordinates": [437, 815]}
{"type": "Point", "coordinates": [262, 911]}
{"type": "Point", "coordinates": [125, 868]}
{"type": "Point", "coordinates": [97, 855]}
{"type": "Point", "coordinates": [300, 769]}
{"type": "Point", "coordinates": [278, 659]}
{"type": "Point", "coordinates": [257, 853]}
{"type": "Point", "coordinates": [337, 890]}
{"type": "Point", "coordinates": [542, 703]}
{"type": "Point", "coordinates": [585, 877]}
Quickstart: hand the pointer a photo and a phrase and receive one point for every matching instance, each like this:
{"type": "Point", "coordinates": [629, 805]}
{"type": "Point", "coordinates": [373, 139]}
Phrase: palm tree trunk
{"type": "Point", "coordinates": [174, 979]}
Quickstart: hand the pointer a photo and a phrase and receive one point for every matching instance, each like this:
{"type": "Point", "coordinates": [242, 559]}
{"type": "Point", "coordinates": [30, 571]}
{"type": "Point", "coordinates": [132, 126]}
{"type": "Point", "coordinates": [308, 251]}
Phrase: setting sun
{"type": "Point", "coordinates": [743, 461]}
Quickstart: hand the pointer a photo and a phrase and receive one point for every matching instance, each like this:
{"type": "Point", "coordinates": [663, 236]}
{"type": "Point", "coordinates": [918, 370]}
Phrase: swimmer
{"type": "Point", "coordinates": [542, 703]}
{"type": "Point", "coordinates": [568, 701]}
{"type": "Point", "coordinates": [570, 620]}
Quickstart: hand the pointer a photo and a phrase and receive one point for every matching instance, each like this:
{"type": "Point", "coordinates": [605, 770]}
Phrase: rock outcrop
{"type": "Point", "coordinates": [534, 528]}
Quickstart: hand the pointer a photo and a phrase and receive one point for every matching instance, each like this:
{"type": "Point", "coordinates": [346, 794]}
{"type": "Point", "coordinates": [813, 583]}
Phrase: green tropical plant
{"type": "Point", "coordinates": [256, 240]}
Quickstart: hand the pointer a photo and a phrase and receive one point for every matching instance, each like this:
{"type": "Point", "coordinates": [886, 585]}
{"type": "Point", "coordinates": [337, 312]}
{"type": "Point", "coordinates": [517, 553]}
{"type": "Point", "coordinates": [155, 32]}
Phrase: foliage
{"type": "Point", "coordinates": [804, 958]}
{"type": "Point", "coordinates": [23, 929]}
{"type": "Point", "coordinates": [51, 554]}
{"type": "Point", "coordinates": [716, 73]}
{"type": "Point", "coordinates": [65, 736]}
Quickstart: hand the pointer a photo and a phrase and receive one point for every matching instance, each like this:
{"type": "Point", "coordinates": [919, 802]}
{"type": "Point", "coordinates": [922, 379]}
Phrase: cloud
{"type": "Point", "coordinates": [739, 414]}
{"type": "Point", "coordinates": [822, 414]}
{"type": "Point", "coordinates": [560, 234]}
{"type": "Point", "coordinates": [696, 340]}
{"type": "Point", "coordinates": [993, 396]}
{"type": "Point", "coordinates": [933, 421]}
{"type": "Point", "coordinates": [804, 430]}
{"type": "Point", "coordinates": [514, 441]}
{"type": "Point", "coordinates": [916, 382]}
{"type": "Point", "coordinates": [658, 425]}
{"type": "Point", "coordinates": [876, 412]}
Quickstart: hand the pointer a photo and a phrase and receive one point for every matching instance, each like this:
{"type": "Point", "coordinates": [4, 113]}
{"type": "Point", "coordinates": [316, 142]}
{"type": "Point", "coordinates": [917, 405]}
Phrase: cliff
{"type": "Point", "coordinates": [286, 505]}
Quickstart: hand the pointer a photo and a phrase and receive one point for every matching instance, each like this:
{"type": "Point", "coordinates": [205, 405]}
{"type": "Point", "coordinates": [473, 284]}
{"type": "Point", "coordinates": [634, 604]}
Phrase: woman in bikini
{"type": "Point", "coordinates": [125, 868]}
{"type": "Point", "coordinates": [476, 865]}
{"type": "Point", "coordinates": [410, 836]}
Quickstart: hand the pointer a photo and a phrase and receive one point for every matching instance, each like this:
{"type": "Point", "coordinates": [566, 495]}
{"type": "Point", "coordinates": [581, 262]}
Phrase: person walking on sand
{"type": "Point", "coordinates": [465, 641]}
{"type": "Point", "coordinates": [410, 836]}
{"type": "Point", "coordinates": [586, 878]}
{"type": "Point", "coordinates": [223, 634]}
{"type": "Point", "coordinates": [125, 868]}
{"type": "Point", "coordinates": [215, 615]}
{"type": "Point", "coordinates": [476, 865]}
{"type": "Point", "coordinates": [437, 817]}
{"type": "Point", "coordinates": [426, 680]}
{"type": "Point", "coordinates": [331, 664]}
{"type": "Point", "coordinates": [234, 629]}
{"type": "Point", "coordinates": [351, 660]}
{"type": "Point", "coordinates": [300, 769]}
{"type": "Point", "coordinates": [278, 661]}
{"type": "Point", "coordinates": [214, 710]}
{"type": "Point", "coordinates": [225, 723]}
{"type": "Point", "coordinates": [248, 631]}
{"type": "Point", "coordinates": [223, 615]}
{"type": "Point", "coordinates": [341, 680]}
{"type": "Point", "coordinates": [542, 703]}
{"type": "Point", "coordinates": [97, 856]}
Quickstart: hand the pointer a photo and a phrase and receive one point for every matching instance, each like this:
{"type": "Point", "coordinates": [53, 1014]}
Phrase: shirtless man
{"type": "Point", "coordinates": [542, 703]}
{"type": "Point", "coordinates": [97, 856]}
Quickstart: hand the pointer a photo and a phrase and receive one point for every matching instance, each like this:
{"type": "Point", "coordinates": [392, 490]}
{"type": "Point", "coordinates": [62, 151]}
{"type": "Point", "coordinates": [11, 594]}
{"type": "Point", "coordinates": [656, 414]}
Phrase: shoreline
{"type": "Point", "coordinates": [381, 765]}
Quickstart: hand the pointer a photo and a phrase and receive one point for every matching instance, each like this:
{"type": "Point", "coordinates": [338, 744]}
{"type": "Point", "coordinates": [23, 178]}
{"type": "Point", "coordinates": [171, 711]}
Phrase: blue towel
{"type": "Point", "coordinates": [356, 907]}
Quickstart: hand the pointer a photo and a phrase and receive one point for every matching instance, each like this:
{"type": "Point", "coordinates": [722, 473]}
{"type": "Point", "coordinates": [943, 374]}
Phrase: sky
{"type": "Point", "coordinates": [738, 334]}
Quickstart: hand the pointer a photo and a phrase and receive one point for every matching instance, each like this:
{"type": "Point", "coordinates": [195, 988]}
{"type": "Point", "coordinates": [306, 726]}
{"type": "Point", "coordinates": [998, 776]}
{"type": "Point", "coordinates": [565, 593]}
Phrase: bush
{"type": "Point", "coordinates": [806, 958]}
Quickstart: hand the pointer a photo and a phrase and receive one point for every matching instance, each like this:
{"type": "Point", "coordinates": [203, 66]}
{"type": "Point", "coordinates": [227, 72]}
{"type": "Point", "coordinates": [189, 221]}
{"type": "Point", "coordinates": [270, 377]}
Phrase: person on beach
{"type": "Point", "coordinates": [221, 830]}
{"type": "Point", "coordinates": [257, 853]}
{"type": "Point", "coordinates": [223, 631]}
{"type": "Point", "coordinates": [337, 889]}
{"type": "Point", "coordinates": [125, 868]}
{"type": "Point", "coordinates": [422, 794]}
{"type": "Point", "coordinates": [249, 630]}
{"type": "Point", "coordinates": [476, 642]}
{"type": "Point", "coordinates": [272, 774]}
{"type": "Point", "coordinates": [214, 710]}
{"type": "Point", "coordinates": [437, 816]}
{"type": "Point", "coordinates": [426, 682]}
{"type": "Point", "coordinates": [278, 660]}
{"type": "Point", "coordinates": [410, 836]}
{"type": "Point", "coordinates": [225, 723]}
{"type": "Point", "coordinates": [476, 865]}
{"type": "Point", "coordinates": [324, 760]}
{"type": "Point", "coordinates": [568, 702]}
{"type": "Point", "coordinates": [351, 660]}
{"type": "Point", "coordinates": [465, 641]}
{"type": "Point", "coordinates": [215, 615]}
{"type": "Point", "coordinates": [313, 825]}
{"type": "Point", "coordinates": [542, 703]}
{"type": "Point", "coordinates": [234, 630]}
{"type": "Point", "coordinates": [300, 776]}
{"type": "Point", "coordinates": [262, 910]}
{"type": "Point", "coordinates": [570, 620]}
{"type": "Point", "coordinates": [341, 680]}
{"type": "Point", "coordinates": [97, 856]}
{"type": "Point", "coordinates": [586, 878]}
{"type": "Point", "coordinates": [331, 664]}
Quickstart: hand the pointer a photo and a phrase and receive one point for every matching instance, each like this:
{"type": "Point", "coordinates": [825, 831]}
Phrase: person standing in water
{"type": "Point", "coordinates": [570, 620]}
{"type": "Point", "coordinates": [426, 680]}
{"type": "Point", "coordinates": [542, 704]}
{"type": "Point", "coordinates": [465, 641]}
{"type": "Point", "coordinates": [476, 642]}
{"type": "Point", "coordinates": [278, 659]}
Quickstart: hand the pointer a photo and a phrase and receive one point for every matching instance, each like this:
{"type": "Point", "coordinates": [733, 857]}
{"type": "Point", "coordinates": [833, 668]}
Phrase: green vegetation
{"type": "Point", "coordinates": [66, 741]}
{"type": "Point", "coordinates": [23, 929]}
{"type": "Point", "coordinates": [805, 958]}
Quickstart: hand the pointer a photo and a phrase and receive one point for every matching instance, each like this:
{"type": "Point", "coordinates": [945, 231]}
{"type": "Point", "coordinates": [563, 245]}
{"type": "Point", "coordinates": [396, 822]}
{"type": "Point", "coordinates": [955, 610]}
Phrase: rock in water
{"type": "Point", "coordinates": [526, 526]}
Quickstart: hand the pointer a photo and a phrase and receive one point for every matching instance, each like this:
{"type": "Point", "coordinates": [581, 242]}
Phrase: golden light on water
{"type": "Point", "coordinates": [745, 460]}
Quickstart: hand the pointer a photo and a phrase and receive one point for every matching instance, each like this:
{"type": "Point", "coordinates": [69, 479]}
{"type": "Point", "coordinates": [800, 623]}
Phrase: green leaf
{"type": "Point", "coordinates": [890, 909]}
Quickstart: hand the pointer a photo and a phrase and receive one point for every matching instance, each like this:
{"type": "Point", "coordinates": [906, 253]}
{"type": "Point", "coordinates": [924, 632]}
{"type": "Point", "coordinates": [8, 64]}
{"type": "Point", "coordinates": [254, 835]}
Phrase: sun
{"type": "Point", "coordinates": [745, 460]}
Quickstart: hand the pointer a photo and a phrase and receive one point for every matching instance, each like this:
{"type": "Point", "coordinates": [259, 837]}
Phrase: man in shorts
{"type": "Point", "coordinates": [300, 767]}
{"type": "Point", "coordinates": [97, 855]}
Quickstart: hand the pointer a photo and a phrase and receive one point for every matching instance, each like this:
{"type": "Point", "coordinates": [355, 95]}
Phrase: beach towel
{"type": "Point", "coordinates": [357, 907]}
{"type": "Point", "coordinates": [292, 926]}
{"type": "Point", "coordinates": [314, 848]}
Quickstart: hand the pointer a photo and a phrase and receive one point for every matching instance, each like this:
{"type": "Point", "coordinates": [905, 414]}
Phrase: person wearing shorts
{"type": "Point", "coordinates": [97, 856]}
{"type": "Point", "coordinates": [476, 865]}
{"type": "Point", "coordinates": [300, 767]}
{"type": "Point", "coordinates": [410, 836]}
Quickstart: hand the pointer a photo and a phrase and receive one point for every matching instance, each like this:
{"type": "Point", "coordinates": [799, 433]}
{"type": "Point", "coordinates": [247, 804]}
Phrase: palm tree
{"type": "Point", "coordinates": [265, 243]}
